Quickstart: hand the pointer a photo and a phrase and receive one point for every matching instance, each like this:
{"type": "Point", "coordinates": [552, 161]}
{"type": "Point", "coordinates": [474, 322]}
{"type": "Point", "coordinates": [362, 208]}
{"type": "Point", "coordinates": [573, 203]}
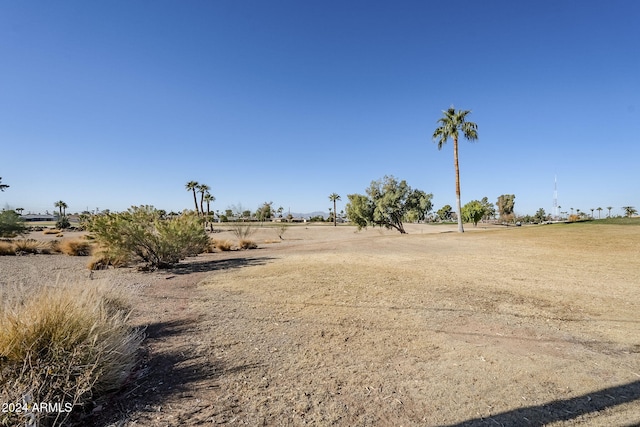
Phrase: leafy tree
{"type": "Point", "coordinates": [387, 204]}
{"type": "Point", "coordinates": [451, 124]}
{"type": "Point", "coordinates": [540, 216]}
{"type": "Point", "coordinates": [246, 214]}
{"type": "Point", "coordinates": [360, 210]}
{"type": "Point", "coordinates": [140, 234]}
{"type": "Point", "coordinates": [473, 212]}
{"type": "Point", "coordinates": [334, 197]}
{"type": "Point", "coordinates": [629, 211]}
{"type": "Point", "coordinates": [444, 213]}
{"type": "Point", "coordinates": [280, 210]}
{"type": "Point", "coordinates": [264, 212]}
{"type": "Point", "coordinates": [489, 209]}
{"type": "Point", "coordinates": [192, 186]}
{"type": "Point", "coordinates": [228, 213]}
{"type": "Point", "coordinates": [11, 224]}
{"type": "Point", "coordinates": [3, 186]}
{"type": "Point", "coordinates": [506, 203]}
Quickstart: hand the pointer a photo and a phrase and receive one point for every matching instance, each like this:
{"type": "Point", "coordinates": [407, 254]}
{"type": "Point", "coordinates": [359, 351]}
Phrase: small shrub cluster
{"type": "Point", "coordinates": [11, 224]}
{"type": "Point", "coordinates": [75, 247]}
{"type": "Point", "coordinates": [247, 244]}
{"type": "Point", "coordinates": [221, 245]}
{"type": "Point", "coordinates": [69, 345]}
{"type": "Point", "coordinates": [143, 234]}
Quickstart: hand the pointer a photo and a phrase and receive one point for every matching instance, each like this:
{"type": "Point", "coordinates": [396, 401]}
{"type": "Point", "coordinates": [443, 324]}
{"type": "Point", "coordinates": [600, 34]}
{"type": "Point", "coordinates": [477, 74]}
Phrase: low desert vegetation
{"type": "Point", "coordinates": [247, 244]}
{"type": "Point", "coordinates": [222, 245]}
{"type": "Point", "coordinates": [68, 344]}
{"type": "Point", "coordinates": [51, 231]}
{"type": "Point", "coordinates": [243, 230]}
{"type": "Point", "coordinates": [11, 224]}
{"type": "Point", "coordinates": [142, 234]}
{"type": "Point", "coordinates": [76, 247]}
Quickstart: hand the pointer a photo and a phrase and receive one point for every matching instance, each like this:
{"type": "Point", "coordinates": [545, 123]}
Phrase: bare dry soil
{"type": "Point", "coordinates": [496, 326]}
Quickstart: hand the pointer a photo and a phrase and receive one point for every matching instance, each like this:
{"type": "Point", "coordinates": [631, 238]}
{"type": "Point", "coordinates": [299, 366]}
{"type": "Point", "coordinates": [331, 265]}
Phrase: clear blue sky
{"type": "Point", "coordinates": [116, 103]}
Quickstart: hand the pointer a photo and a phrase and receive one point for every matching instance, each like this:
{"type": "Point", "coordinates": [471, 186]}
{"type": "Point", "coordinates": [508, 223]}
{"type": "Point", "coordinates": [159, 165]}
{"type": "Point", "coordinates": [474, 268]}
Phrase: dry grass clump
{"type": "Point", "coordinates": [69, 345]}
{"type": "Point", "coordinates": [51, 231]}
{"type": "Point", "coordinates": [6, 248]}
{"type": "Point", "coordinates": [31, 246]}
{"type": "Point", "coordinates": [76, 247]}
{"type": "Point", "coordinates": [222, 245]}
{"type": "Point", "coordinates": [247, 244]}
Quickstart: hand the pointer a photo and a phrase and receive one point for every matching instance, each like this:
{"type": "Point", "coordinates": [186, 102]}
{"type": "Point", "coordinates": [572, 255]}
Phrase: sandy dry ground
{"type": "Point", "coordinates": [518, 326]}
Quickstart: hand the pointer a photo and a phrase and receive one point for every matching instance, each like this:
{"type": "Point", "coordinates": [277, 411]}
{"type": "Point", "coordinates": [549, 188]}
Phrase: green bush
{"type": "Point", "coordinates": [142, 235]}
{"type": "Point", "coordinates": [63, 223]}
{"type": "Point", "coordinates": [11, 224]}
{"type": "Point", "coordinates": [68, 345]}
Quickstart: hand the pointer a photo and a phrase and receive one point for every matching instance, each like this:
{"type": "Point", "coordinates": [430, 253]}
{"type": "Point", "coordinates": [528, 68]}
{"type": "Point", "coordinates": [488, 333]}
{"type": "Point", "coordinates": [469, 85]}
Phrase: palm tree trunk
{"type": "Point", "coordinates": [458, 205]}
{"type": "Point", "coordinates": [335, 217]}
{"type": "Point", "coordinates": [195, 200]}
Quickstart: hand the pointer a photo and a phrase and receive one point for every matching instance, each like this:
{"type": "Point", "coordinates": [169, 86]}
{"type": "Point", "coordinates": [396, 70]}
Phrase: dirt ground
{"type": "Point", "coordinates": [499, 326]}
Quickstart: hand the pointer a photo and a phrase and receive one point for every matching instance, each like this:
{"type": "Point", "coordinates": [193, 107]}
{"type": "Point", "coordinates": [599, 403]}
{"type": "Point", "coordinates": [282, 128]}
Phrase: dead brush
{"type": "Point", "coordinates": [222, 245]}
{"type": "Point", "coordinates": [6, 248]}
{"type": "Point", "coordinates": [51, 231]}
{"type": "Point", "coordinates": [30, 246]}
{"type": "Point", "coordinates": [247, 244]}
{"type": "Point", "coordinates": [76, 247]}
{"type": "Point", "coordinates": [70, 344]}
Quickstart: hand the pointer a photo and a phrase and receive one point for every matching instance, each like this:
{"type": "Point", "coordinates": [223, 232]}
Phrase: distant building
{"type": "Point", "coordinates": [38, 217]}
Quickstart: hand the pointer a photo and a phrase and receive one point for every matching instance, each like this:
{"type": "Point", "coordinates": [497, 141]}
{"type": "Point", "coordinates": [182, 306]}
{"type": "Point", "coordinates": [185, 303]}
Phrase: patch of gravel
{"type": "Point", "coordinates": [29, 272]}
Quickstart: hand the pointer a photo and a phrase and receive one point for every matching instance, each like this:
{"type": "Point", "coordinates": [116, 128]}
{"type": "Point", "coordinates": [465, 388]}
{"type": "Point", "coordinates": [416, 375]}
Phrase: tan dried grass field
{"type": "Point", "coordinates": [498, 326]}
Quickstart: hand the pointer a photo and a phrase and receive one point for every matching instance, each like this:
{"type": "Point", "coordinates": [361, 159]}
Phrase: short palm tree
{"type": "Point", "coordinates": [61, 205]}
{"type": "Point", "coordinates": [451, 124]}
{"type": "Point", "coordinates": [191, 186]}
{"type": "Point", "coordinates": [209, 199]}
{"type": "Point", "coordinates": [334, 197]}
{"type": "Point", "coordinates": [203, 189]}
{"type": "Point", "coordinates": [629, 211]}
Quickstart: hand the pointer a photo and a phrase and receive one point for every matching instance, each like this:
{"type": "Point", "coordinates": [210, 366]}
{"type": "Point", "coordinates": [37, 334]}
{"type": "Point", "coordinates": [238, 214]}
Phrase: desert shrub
{"type": "Point", "coordinates": [69, 345]}
{"type": "Point", "coordinates": [281, 229]}
{"type": "Point", "coordinates": [30, 246]}
{"type": "Point", "coordinates": [6, 248]}
{"type": "Point", "coordinates": [11, 224]}
{"type": "Point", "coordinates": [75, 247]}
{"type": "Point", "coordinates": [247, 244]}
{"type": "Point", "coordinates": [243, 230]}
{"type": "Point", "coordinates": [222, 245]}
{"type": "Point", "coordinates": [63, 223]}
{"type": "Point", "coordinates": [102, 261]}
{"type": "Point", "coordinates": [574, 218]}
{"type": "Point", "coordinates": [51, 231]}
{"type": "Point", "coordinates": [142, 234]}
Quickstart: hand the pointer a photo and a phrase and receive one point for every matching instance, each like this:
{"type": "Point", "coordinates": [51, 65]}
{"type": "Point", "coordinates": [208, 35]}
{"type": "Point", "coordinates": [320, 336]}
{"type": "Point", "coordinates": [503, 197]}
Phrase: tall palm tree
{"type": "Point", "coordinates": [599, 209]}
{"type": "Point", "coordinates": [609, 209]}
{"type": "Point", "coordinates": [334, 197]}
{"type": "Point", "coordinates": [202, 189]}
{"type": "Point", "coordinates": [3, 186]}
{"type": "Point", "coordinates": [61, 205]}
{"type": "Point", "coordinates": [450, 125]}
{"type": "Point", "coordinates": [191, 186]}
